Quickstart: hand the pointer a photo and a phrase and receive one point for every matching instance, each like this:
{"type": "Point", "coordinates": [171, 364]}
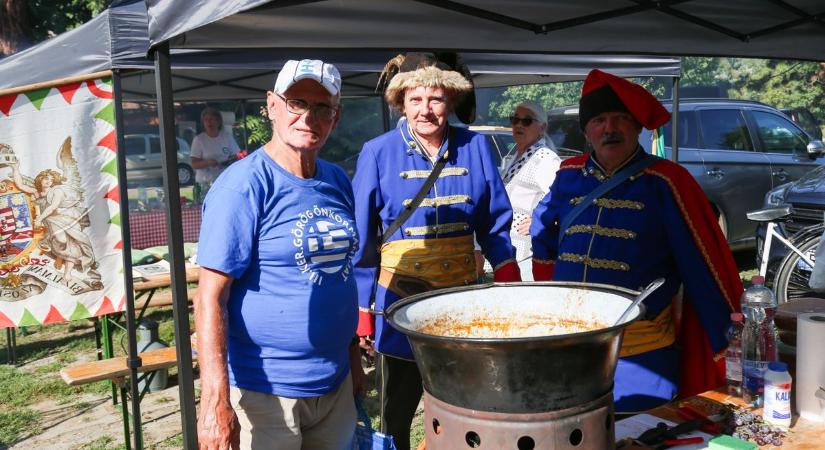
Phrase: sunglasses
{"type": "Point", "coordinates": [526, 121]}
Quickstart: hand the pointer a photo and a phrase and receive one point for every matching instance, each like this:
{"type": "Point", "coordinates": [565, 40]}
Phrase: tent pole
{"type": "Point", "coordinates": [133, 360]}
{"type": "Point", "coordinates": [674, 141]}
{"type": "Point", "coordinates": [245, 130]}
{"type": "Point", "coordinates": [174, 227]}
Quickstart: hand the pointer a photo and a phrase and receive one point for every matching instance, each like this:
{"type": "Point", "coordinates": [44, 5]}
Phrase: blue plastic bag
{"type": "Point", "coordinates": [365, 437]}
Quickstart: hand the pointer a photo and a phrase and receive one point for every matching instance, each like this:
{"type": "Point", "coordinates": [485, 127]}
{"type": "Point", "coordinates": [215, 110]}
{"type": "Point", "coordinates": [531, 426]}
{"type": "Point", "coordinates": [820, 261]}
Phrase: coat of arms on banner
{"type": "Point", "coordinates": [61, 243]}
{"type": "Point", "coordinates": [43, 223]}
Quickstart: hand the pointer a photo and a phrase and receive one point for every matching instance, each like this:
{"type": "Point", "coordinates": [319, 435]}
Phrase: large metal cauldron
{"type": "Point", "coordinates": [532, 374]}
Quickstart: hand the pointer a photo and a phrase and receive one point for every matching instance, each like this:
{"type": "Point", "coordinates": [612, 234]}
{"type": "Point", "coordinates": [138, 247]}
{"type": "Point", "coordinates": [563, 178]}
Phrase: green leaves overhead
{"type": "Point", "coordinates": [780, 83]}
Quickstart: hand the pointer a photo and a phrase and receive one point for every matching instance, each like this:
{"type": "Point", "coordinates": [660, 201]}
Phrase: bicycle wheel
{"type": "Point", "coordinates": [792, 276]}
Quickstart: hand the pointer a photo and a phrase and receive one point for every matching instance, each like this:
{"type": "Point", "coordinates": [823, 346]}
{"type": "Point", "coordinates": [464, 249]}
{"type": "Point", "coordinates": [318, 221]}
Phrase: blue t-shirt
{"type": "Point", "coordinates": [288, 242]}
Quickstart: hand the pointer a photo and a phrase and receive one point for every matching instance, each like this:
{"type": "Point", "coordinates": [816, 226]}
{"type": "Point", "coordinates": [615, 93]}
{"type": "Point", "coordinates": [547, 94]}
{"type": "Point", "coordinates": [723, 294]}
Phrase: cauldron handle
{"type": "Point", "coordinates": [642, 295]}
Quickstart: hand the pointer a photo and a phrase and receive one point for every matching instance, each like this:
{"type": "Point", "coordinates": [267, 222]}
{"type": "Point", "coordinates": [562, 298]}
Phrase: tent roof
{"type": "Point", "coordinates": [247, 79]}
{"type": "Point", "coordinates": [118, 39]}
{"type": "Point", "coordinates": [789, 29]}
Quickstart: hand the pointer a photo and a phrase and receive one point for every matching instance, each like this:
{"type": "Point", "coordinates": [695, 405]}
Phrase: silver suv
{"type": "Point", "coordinates": [143, 159]}
{"type": "Point", "coordinates": [737, 150]}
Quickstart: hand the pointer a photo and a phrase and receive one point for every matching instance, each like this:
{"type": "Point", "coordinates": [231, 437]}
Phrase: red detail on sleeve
{"type": "Point", "coordinates": [507, 272]}
{"type": "Point", "coordinates": [366, 324]}
{"type": "Point", "coordinates": [543, 271]}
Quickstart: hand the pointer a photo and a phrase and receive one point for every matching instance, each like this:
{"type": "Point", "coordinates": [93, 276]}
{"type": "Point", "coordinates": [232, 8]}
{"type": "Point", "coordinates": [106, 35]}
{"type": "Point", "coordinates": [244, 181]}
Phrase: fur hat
{"type": "Point", "coordinates": [435, 70]}
{"type": "Point", "coordinates": [604, 92]}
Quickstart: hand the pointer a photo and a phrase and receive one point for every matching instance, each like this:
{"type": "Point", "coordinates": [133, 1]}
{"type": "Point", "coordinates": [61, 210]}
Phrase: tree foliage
{"type": "Point", "coordinates": [25, 22]}
{"type": "Point", "coordinates": [784, 84]}
{"type": "Point", "coordinates": [780, 83]}
{"type": "Point", "coordinates": [550, 96]}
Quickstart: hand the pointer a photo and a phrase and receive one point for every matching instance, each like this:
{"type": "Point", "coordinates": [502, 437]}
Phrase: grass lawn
{"type": "Point", "coordinates": [46, 349]}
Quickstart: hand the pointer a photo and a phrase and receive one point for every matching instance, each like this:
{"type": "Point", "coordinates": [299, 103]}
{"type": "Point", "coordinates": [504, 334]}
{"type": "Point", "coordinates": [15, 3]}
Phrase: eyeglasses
{"type": "Point", "coordinates": [526, 121]}
{"type": "Point", "coordinates": [299, 107]}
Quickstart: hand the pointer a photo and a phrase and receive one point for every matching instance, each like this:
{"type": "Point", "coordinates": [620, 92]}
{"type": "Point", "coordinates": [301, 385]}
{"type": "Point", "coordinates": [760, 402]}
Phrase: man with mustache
{"type": "Point", "coordinates": [622, 217]}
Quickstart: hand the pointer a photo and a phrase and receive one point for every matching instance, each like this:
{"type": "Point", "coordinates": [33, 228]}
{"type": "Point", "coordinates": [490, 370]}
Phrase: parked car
{"type": "Point", "coordinates": [143, 159]}
{"type": "Point", "coordinates": [736, 149]}
{"type": "Point", "coordinates": [806, 120]}
{"type": "Point", "coordinates": [501, 140]}
{"type": "Point", "coordinates": [806, 196]}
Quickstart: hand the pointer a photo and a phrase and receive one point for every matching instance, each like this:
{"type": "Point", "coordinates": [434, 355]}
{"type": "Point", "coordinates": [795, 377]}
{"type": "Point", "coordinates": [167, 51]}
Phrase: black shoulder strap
{"type": "Point", "coordinates": [419, 197]}
{"type": "Point", "coordinates": [604, 188]}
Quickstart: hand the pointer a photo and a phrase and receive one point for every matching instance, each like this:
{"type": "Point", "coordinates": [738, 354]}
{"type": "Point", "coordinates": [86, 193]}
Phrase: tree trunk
{"type": "Point", "coordinates": [14, 26]}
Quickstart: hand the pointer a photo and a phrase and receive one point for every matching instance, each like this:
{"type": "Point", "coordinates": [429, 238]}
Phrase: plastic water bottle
{"type": "Point", "coordinates": [733, 355]}
{"type": "Point", "coordinates": [758, 339]}
{"type": "Point", "coordinates": [777, 410]}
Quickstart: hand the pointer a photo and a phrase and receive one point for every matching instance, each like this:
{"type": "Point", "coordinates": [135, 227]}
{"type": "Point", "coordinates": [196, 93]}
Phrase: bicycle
{"type": "Point", "coordinates": [791, 274]}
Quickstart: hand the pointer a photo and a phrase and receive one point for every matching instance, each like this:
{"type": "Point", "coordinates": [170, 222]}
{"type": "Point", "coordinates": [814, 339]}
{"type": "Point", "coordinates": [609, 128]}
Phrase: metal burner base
{"type": "Point", "coordinates": [588, 426]}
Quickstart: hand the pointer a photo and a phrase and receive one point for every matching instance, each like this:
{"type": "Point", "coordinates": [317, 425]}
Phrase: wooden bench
{"type": "Point", "coordinates": [116, 368]}
{"type": "Point", "coordinates": [159, 299]}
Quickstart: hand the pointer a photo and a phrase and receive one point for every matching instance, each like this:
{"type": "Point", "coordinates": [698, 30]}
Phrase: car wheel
{"type": "Point", "coordinates": [794, 273]}
{"type": "Point", "coordinates": [185, 174]}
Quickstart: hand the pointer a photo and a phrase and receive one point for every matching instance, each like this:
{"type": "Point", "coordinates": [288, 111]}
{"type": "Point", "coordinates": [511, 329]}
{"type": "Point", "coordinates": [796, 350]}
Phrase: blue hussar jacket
{"type": "Point", "coordinates": [468, 198]}
{"type": "Point", "coordinates": [656, 224]}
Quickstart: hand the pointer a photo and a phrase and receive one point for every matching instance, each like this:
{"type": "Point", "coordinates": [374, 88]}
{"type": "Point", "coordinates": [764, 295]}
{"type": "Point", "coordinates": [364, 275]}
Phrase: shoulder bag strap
{"type": "Point", "coordinates": [604, 188]}
{"type": "Point", "coordinates": [419, 197]}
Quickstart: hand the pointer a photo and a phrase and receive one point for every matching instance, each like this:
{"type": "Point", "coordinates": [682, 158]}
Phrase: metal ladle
{"type": "Point", "coordinates": [642, 295]}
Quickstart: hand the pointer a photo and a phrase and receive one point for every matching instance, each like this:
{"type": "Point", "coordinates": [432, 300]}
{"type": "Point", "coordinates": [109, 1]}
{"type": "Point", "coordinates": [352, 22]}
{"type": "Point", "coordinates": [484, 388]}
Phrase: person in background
{"type": "Point", "coordinates": [528, 174]}
{"type": "Point", "coordinates": [276, 305]}
{"type": "Point", "coordinates": [433, 248]}
{"type": "Point", "coordinates": [212, 150]}
{"type": "Point", "coordinates": [641, 218]}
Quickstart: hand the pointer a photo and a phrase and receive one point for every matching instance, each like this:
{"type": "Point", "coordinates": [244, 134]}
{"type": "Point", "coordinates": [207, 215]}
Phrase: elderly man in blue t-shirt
{"type": "Point", "coordinates": [276, 308]}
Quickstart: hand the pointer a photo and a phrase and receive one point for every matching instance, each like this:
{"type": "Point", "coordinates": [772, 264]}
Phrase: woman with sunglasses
{"type": "Point", "coordinates": [528, 174]}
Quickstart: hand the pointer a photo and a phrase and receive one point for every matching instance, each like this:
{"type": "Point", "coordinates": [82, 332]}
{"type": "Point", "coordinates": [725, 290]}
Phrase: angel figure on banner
{"type": "Point", "coordinates": [64, 216]}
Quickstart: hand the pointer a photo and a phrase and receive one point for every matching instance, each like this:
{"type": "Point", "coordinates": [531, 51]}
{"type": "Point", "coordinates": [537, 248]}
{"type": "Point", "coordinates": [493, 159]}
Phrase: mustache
{"type": "Point", "coordinates": [612, 138]}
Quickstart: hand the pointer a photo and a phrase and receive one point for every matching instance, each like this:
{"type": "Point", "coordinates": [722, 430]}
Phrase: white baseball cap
{"type": "Point", "coordinates": [294, 71]}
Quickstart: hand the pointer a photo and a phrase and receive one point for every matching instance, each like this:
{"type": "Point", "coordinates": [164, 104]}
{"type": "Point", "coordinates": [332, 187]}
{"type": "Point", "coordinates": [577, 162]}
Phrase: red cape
{"type": "Point", "coordinates": [702, 369]}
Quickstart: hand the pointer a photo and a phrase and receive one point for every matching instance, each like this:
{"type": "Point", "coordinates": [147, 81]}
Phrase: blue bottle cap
{"type": "Point", "coordinates": [777, 366]}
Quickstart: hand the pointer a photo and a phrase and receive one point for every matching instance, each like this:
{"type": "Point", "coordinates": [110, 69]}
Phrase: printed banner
{"type": "Point", "coordinates": [60, 236]}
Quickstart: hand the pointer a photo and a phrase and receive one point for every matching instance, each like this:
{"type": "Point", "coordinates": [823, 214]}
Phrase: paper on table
{"type": "Point", "coordinates": [148, 270]}
{"type": "Point", "coordinates": [633, 426]}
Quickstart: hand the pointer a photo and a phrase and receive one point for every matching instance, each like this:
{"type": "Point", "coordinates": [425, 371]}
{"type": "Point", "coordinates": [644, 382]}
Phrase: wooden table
{"type": "Point", "coordinates": [145, 290]}
{"type": "Point", "coordinates": [160, 281]}
{"type": "Point", "coordinates": [803, 435]}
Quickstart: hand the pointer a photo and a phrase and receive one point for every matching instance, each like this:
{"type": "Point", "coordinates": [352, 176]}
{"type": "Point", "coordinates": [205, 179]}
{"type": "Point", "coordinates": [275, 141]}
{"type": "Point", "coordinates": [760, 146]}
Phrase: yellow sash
{"type": "Point", "coordinates": [442, 262]}
{"type": "Point", "coordinates": [646, 335]}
